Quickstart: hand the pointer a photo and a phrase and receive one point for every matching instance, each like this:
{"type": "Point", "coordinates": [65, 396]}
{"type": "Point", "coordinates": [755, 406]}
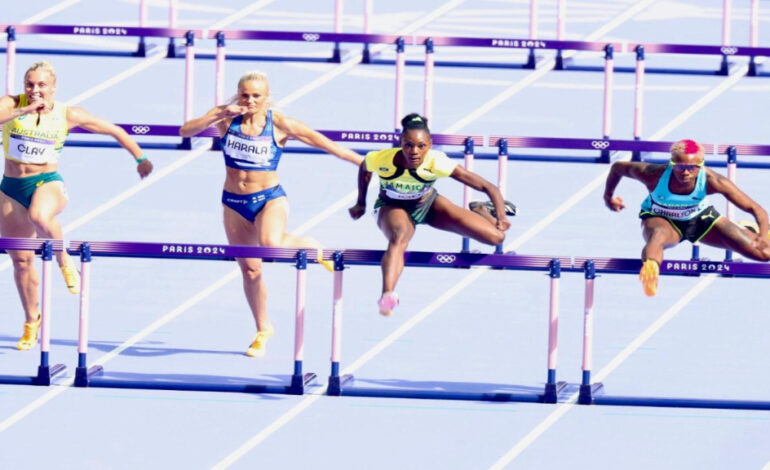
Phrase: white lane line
{"type": "Point", "coordinates": [634, 345]}
{"type": "Point", "coordinates": [251, 443]}
{"type": "Point", "coordinates": [355, 59]}
{"type": "Point", "coordinates": [546, 67]}
{"type": "Point", "coordinates": [239, 15]}
{"type": "Point", "coordinates": [45, 14]}
{"type": "Point", "coordinates": [563, 408]}
{"type": "Point", "coordinates": [50, 11]}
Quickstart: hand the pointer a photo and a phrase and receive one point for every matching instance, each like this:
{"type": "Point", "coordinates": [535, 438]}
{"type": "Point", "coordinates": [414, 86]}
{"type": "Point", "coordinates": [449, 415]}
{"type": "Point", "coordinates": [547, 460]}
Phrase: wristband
{"type": "Point", "coordinates": [141, 159]}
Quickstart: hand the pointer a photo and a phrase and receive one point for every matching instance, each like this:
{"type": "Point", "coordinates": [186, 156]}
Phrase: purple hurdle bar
{"type": "Point", "coordinates": [45, 248]}
{"type": "Point", "coordinates": [342, 385]}
{"type": "Point", "coordinates": [595, 393]}
{"type": "Point", "coordinates": [91, 377]}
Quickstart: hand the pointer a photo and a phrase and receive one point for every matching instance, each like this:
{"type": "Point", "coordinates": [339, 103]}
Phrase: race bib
{"type": "Point", "coordinates": [255, 150]}
{"type": "Point", "coordinates": [31, 149]}
{"type": "Point", "coordinates": [395, 194]}
{"type": "Point", "coordinates": [678, 213]}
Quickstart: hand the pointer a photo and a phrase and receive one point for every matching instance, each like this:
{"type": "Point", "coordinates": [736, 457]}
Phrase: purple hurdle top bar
{"type": "Point", "coordinates": [588, 144]}
{"type": "Point", "coordinates": [453, 259]}
{"type": "Point", "coordinates": [29, 244]}
{"type": "Point", "coordinates": [678, 267]}
{"type": "Point", "coordinates": [188, 251]}
{"type": "Point", "coordinates": [393, 137]}
{"type": "Point", "coordinates": [308, 36]}
{"type": "Point", "coordinates": [518, 43]}
{"type": "Point", "coordinates": [703, 50]}
{"type": "Point", "coordinates": [100, 30]}
{"type": "Point", "coordinates": [155, 130]}
{"type": "Point", "coordinates": [745, 149]}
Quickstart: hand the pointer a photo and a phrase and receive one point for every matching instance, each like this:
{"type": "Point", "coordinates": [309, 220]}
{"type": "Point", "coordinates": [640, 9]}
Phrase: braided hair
{"type": "Point", "coordinates": [415, 121]}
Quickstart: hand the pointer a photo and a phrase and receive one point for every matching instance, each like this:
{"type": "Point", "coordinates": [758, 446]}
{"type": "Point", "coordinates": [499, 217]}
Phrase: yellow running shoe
{"type": "Point", "coordinates": [326, 263]}
{"type": "Point", "coordinates": [71, 277]}
{"type": "Point", "coordinates": [257, 348]}
{"type": "Point", "coordinates": [29, 338]}
{"type": "Point", "coordinates": [649, 276]}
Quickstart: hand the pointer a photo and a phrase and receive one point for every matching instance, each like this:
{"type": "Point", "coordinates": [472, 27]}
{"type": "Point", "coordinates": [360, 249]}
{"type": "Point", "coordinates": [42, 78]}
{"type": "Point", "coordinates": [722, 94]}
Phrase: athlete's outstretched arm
{"type": "Point", "coordinates": [646, 173]}
{"type": "Point", "coordinates": [719, 184]}
{"type": "Point", "coordinates": [478, 183]}
{"type": "Point", "coordinates": [364, 177]}
{"type": "Point", "coordinates": [79, 117]}
{"type": "Point", "coordinates": [305, 134]}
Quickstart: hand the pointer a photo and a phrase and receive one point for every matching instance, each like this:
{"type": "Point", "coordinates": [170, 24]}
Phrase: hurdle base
{"type": "Point", "coordinates": [552, 391]}
{"type": "Point", "coordinates": [681, 403]}
{"type": "Point", "coordinates": [724, 68]}
{"type": "Point", "coordinates": [336, 383]}
{"type": "Point", "coordinates": [299, 382]}
{"type": "Point", "coordinates": [588, 392]}
{"type": "Point", "coordinates": [46, 373]}
{"type": "Point", "coordinates": [83, 375]}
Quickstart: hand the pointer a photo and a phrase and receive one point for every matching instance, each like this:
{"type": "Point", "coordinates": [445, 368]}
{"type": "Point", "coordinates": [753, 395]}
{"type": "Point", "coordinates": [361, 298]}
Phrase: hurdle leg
{"type": "Point", "coordinates": [467, 190]}
{"type": "Point", "coordinates": [429, 70]}
{"type": "Point", "coordinates": [732, 166]}
{"type": "Point", "coordinates": [724, 68]}
{"type": "Point", "coordinates": [609, 70]}
{"type": "Point", "coordinates": [532, 59]}
{"type": "Point", "coordinates": [552, 388]}
{"type": "Point", "coordinates": [44, 371]}
{"type": "Point", "coordinates": [587, 390]}
{"type": "Point", "coordinates": [336, 382]}
{"type": "Point", "coordinates": [400, 64]}
{"type": "Point", "coordinates": [188, 84]}
{"type": "Point", "coordinates": [82, 372]}
{"type": "Point", "coordinates": [10, 61]}
{"type": "Point", "coordinates": [336, 53]}
{"type": "Point", "coordinates": [366, 56]}
{"type": "Point", "coordinates": [502, 174]}
{"type": "Point", "coordinates": [298, 379]}
{"type": "Point", "coordinates": [172, 9]}
{"type": "Point", "coordinates": [560, 26]}
{"type": "Point", "coordinates": [141, 48]}
{"type": "Point", "coordinates": [636, 155]}
{"type": "Point", "coordinates": [754, 36]}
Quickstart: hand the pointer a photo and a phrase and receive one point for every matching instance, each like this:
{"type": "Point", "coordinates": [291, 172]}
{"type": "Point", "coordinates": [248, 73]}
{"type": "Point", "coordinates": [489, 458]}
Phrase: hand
{"type": "Point", "coordinates": [614, 204]}
{"type": "Point", "coordinates": [503, 224]}
{"type": "Point", "coordinates": [144, 168]}
{"type": "Point", "coordinates": [34, 107]}
{"type": "Point", "coordinates": [357, 211]}
{"type": "Point", "coordinates": [234, 110]}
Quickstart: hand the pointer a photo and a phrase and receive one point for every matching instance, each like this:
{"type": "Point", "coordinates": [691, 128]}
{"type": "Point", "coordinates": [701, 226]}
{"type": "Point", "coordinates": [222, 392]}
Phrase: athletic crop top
{"type": "Point", "coordinates": [663, 202]}
{"type": "Point", "coordinates": [26, 141]}
{"type": "Point", "coordinates": [403, 184]}
{"type": "Point", "coordinates": [251, 153]}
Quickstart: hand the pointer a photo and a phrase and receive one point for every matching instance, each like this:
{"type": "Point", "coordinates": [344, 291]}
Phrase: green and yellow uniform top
{"type": "Point", "coordinates": [403, 184]}
{"type": "Point", "coordinates": [27, 141]}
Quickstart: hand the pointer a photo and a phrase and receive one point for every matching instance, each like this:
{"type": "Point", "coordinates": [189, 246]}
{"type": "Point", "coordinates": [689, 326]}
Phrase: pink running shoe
{"type": "Point", "coordinates": [387, 303]}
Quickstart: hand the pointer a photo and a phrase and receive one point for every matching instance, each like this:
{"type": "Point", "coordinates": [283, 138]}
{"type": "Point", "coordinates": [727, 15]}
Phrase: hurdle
{"type": "Point", "coordinates": [595, 393]}
{"type": "Point", "coordinates": [45, 248]}
{"type": "Point", "coordinates": [93, 376]}
{"type": "Point", "coordinates": [343, 385]}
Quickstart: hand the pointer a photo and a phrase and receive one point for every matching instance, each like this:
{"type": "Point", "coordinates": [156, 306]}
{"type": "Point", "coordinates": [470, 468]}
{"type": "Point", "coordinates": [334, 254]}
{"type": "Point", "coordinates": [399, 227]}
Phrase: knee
{"type": "Point", "coordinates": [39, 218]}
{"type": "Point", "coordinates": [23, 262]}
{"type": "Point", "coordinates": [269, 239]}
{"type": "Point", "coordinates": [400, 237]}
{"type": "Point", "coordinates": [251, 273]}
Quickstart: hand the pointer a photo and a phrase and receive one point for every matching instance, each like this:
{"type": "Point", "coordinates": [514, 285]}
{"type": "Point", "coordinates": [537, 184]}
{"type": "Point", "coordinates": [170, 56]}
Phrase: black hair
{"type": "Point", "coordinates": [414, 121]}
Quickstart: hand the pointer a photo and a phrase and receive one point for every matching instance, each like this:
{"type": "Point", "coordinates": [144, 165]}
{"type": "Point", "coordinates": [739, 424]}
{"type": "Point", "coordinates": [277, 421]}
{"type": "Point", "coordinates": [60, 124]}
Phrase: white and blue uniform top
{"type": "Point", "coordinates": [248, 152]}
{"type": "Point", "coordinates": [663, 202]}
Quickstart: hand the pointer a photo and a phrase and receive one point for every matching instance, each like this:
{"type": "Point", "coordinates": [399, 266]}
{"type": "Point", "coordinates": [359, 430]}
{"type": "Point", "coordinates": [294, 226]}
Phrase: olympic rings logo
{"type": "Point", "coordinates": [729, 50]}
{"type": "Point", "coordinates": [446, 259]}
{"type": "Point", "coordinates": [600, 144]}
{"type": "Point", "coordinates": [311, 37]}
{"type": "Point", "coordinates": [140, 129]}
